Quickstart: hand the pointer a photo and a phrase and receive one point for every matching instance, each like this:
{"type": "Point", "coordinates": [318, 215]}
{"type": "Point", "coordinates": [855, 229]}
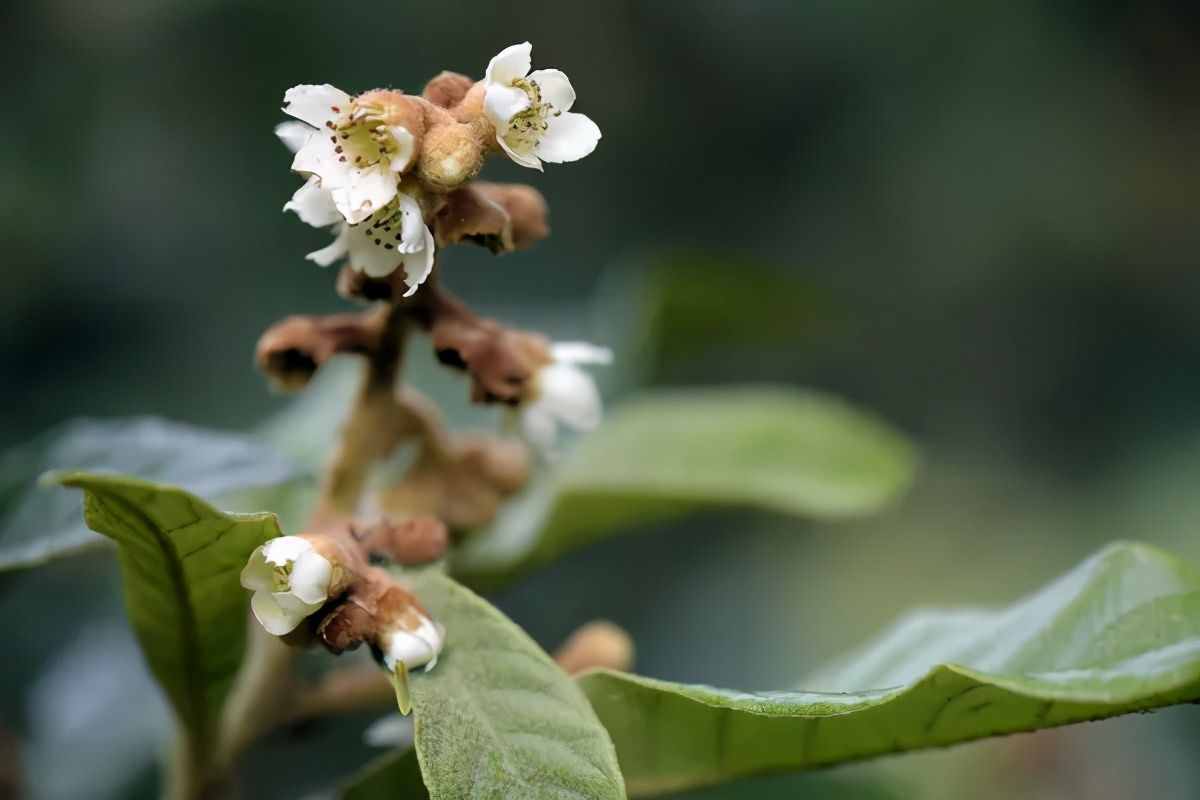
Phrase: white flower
{"type": "Point", "coordinates": [394, 236]}
{"type": "Point", "coordinates": [413, 648]}
{"type": "Point", "coordinates": [532, 111]}
{"type": "Point", "coordinates": [290, 580]}
{"type": "Point", "coordinates": [563, 395]}
{"type": "Point", "coordinates": [347, 144]}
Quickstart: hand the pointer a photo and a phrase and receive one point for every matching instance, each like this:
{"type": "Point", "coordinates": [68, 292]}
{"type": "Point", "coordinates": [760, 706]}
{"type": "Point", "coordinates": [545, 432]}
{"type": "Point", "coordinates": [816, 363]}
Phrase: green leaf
{"type": "Point", "coordinates": [1119, 633]}
{"type": "Point", "coordinates": [41, 523]}
{"type": "Point", "coordinates": [180, 564]}
{"type": "Point", "coordinates": [497, 718]}
{"type": "Point", "coordinates": [672, 453]}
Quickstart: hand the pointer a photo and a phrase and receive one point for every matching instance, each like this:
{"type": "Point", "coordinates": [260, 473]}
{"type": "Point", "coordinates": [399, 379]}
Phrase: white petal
{"type": "Point", "coordinates": [569, 137]}
{"type": "Point", "coordinates": [367, 257]}
{"type": "Point", "coordinates": [315, 104]}
{"type": "Point", "coordinates": [405, 148]}
{"type": "Point", "coordinates": [413, 648]}
{"type": "Point", "coordinates": [310, 577]}
{"type": "Point", "coordinates": [285, 549]}
{"type": "Point", "coordinates": [502, 103]}
{"type": "Point", "coordinates": [412, 225]}
{"type": "Point", "coordinates": [318, 157]}
{"type": "Point", "coordinates": [313, 205]}
{"type": "Point", "coordinates": [555, 87]}
{"type": "Point", "coordinates": [294, 134]}
{"type": "Point", "coordinates": [571, 395]}
{"type": "Point", "coordinates": [509, 64]}
{"type": "Point", "coordinates": [524, 159]}
{"type": "Point", "coordinates": [334, 251]}
{"type": "Point", "coordinates": [393, 731]}
{"type": "Point", "coordinates": [258, 575]}
{"type": "Point", "coordinates": [417, 266]}
{"type": "Point", "coordinates": [580, 353]}
{"type": "Point", "coordinates": [365, 192]}
{"type": "Point", "coordinates": [540, 428]}
{"type": "Point", "coordinates": [279, 613]}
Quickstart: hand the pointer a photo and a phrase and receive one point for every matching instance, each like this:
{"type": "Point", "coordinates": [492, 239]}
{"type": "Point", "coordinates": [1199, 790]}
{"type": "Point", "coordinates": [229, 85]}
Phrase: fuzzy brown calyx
{"type": "Point", "coordinates": [291, 350]}
{"type": "Point", "coordinates": [373, 609]}
{"type": "Point", "coordinates": [502, 217]}
{"type": "Point", "coordinates": [447, 89]}
{"type": "Point", "coordinates": [413, 541]}
{"type": "Point", "coordinates": [463, 485]}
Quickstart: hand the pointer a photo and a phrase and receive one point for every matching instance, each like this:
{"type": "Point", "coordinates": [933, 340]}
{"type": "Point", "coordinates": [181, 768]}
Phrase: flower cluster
{"type": "Point", "coordinates": [391, 176]}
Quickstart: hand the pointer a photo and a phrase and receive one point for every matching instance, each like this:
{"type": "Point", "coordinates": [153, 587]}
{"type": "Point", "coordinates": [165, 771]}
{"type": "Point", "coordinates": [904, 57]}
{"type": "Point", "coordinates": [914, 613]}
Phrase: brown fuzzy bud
{"type": "Point", "coordinates": [452, 154]}
{"type": "Point", "coordinates": [290, 351]}
{"type": "Point", "coordinates": [596, 645]}
{"type": "Point", "coordinates": [418, 540]}
{"type": "Point", "coordinates": [500, 217]}
{"type": "Point", "coordinates": [447, 89]}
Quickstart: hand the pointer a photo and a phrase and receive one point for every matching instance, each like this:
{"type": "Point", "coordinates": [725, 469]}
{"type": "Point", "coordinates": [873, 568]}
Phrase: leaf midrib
{"type": "Point", "coordinates": [198, 727]}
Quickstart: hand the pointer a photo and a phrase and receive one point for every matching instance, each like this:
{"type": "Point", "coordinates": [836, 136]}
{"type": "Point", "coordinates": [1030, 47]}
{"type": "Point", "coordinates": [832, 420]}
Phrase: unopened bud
{"type": "Point", "coordinates": [598, 644]}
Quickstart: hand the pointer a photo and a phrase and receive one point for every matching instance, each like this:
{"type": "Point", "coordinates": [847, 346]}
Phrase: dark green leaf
{"type": "Point", "coordinates": [671, 453]}
{"type": "Point", "coordinates": [180, 564]}
{"type": "Point", "coordinates": [1120, 633]}
{"type": "Point", "coordinates": [395, 776]}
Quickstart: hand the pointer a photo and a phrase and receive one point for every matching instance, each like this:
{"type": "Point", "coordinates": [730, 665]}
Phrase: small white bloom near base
{"type": "Point", "coordinates": [532, 111]}
{"type": "Point", "coordinates": [290, 581]}
{"type": "Point", "coordinates": [563, 394]}
{"type": "Point", "coordinates": [415, 648]}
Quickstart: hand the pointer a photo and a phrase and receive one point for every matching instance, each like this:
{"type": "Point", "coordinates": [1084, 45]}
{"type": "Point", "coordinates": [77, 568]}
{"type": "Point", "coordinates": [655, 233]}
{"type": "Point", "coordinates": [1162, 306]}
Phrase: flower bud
{"type": "Point", "coordinates": [452, 154]}
{"type": "Point", "coordinates": [596, 645]}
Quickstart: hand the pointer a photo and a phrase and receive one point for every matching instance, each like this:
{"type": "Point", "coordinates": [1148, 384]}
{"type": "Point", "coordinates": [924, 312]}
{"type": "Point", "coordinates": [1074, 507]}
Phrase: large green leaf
{"type": "Point", "coordinates": [180, 563]}
{"type": "Point", "coordinates": [42, 522]}
{"type": "Point", "coordinates": [670, 453]}
{"type": "Point", "coordinates": [392, 776]}
{"type": "Point", "coordinates": [497, 718]}
{"type": "Point", "coordinates": [1119, 633]}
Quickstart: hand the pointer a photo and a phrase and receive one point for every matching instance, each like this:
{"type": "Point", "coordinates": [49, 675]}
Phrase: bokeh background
{"type": "Point", "coordinates": [976, 219]}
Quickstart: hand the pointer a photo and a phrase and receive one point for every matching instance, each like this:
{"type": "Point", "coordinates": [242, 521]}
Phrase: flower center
{"type": "Point", "coordinates": [527, 127]}
{"type": "Point", "coordinates": [385, 228]}
{"type": "Point", "coordinates": [281, 577]}
{"type": "Point", "coordinates": [360, 137]}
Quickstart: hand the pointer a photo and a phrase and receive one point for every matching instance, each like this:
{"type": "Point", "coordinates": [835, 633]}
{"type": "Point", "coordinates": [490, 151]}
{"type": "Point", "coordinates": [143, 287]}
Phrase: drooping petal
{"type": "Point", "coordinates": [555, 87]}
{"type": "Point", "coordinates": [364, 192]}
{"type": "Point", "coordinates": [524, 159]}
{"type": "Point", "coordinates": [310, 577]}
{"type": "Point", "coordinates": [285, 549]}
{"type": "Point", "coordinates": [332, 252]}
{"type": "Point", "coordinates": [315, 104]}
{"type": "Point", "coordinates": [406, 148]}
{"type": "Point", "coordinates": [580, 353]}
{"type": "Point", "coordinates": [279, 613]}
{"type": "Point", "coordinates": [294, 134]}
{"type": "Point", "coordinates": [571, 395]}
{"type": "Point", "coordinates": [412, 225]}
{"type": "Point", "coordinates": [502, 103]}
{"type": "Point", "coordinates": [417, 266]}
{"type": "Point", "coordinates": [413, 648]}
{"type": "Point", "coordinates": [313, 204]}
{"type": "Point", "coordinates": [569, 137]}
{"type": "Point", "coordinates": [258, 575]}
{"type": "Point", "coordinates": [509, 64]}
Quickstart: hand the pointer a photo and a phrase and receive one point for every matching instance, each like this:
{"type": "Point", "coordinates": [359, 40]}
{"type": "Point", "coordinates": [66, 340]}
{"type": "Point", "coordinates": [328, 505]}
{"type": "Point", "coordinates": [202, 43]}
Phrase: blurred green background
{"type": "Point", "coordinates": [978, 220]}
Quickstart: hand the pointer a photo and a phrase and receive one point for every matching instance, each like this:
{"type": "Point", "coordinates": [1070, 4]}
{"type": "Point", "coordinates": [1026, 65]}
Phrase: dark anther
{"type": "Point", "coordinates": [451, 358]}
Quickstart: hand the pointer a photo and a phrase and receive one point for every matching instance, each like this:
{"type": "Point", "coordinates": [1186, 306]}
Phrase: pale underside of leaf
{"type": "Point", "coordinates": [672, 453]}
{"type": "Point", "coordinates": [42, 522]}
{"type": "Point", "coordinates": [497, 718]}
{"type": "Point", "coordinates": [1120, 633]}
